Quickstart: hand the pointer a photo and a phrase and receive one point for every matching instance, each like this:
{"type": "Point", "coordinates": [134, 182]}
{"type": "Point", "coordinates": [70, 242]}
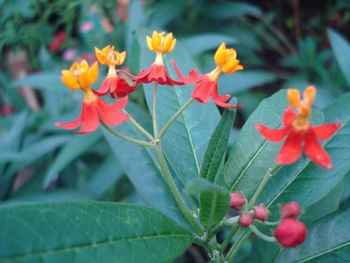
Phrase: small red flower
{"type": "Point", "coordinates": [57, 41]}
{"type": "Point", "coordinates": [261, 212]}
{"type": "Point", "coordinates": [156, 73]}
{"type": "Point", "coordinates": [113, 84]}
{"type": "Point", "coordinates": [237, 200]}
{"type": "Point", "coordinates": [290, 232]}
{"type": "Point", "coordinates": [290, 210]}
{"type": "Point", "coordinates": [299, 133]}
{"type": "Point", "coordinates": [246, 219]}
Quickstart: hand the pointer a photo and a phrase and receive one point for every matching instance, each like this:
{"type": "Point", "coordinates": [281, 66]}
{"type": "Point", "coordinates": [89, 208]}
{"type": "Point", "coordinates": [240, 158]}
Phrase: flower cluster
{"type": "Point", "coordinates": [119, 83]}
{"type": "Point", "coordinates": [289, 233]}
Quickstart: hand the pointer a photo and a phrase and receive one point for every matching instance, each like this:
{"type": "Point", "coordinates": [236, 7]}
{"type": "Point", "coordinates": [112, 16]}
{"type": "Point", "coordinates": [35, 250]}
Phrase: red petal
{"type": "Point", "coordinates": [291, 149]}
{"type": "Point", "coordinates": [90, 118]}
{"type": "Point", "coordinates": [120, 104]}
{"type": "Point", "coordinates": [325, 131]}
{"type": "Point", "coordinates": [192, 77]}
{"type": "Point", "coordinates": [127, 74]}
{"type": "Point", "coordinates": [315, 151]}
{"type": "Point", "coordinates": [123, 88]}
{"type": "Point", "coordinates": [109, 113]}
{"type": "Point", "coordinates": [288, 117]}
{"type": "Point", "coordinates": [273, 135]}
{"type": "Point", "coordinates": [71, 125]}
{"type": "Point", "coordinates": [104, 88]}
{"type": "Point", "coordinates": [203, 91]}
{"type": "Point", "coordinates": [221, 100]}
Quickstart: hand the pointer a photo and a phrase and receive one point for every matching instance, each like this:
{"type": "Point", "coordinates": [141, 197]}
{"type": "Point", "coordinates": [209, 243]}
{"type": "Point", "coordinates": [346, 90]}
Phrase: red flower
{"type": "Point", "coordinates": [290, 210]}
{"type": "Point", "coordinates": [300, 134]}
{"type": "Point", "coordinates": [260, 212]}
{"type": "Point", "coordinates": [57, 41]}
{"type": "Point", "coordinates": [206, 87]}
{"type": "Point", "coordinates": [237, 200]}
{"type": "Point", "coordinates": [246, 219]}
{"type": "Point", "coordinates": [290, 232]}
{"type": "Point", "coordinates": [115, 85]}
{"type": "Point", "coordinates": [94, 111]}
{"type": "Point", "coordinates": [156, 73]}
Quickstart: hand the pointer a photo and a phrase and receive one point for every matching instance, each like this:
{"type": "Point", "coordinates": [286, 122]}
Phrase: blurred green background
{"type": "Point", "coordinates": [281, 44]}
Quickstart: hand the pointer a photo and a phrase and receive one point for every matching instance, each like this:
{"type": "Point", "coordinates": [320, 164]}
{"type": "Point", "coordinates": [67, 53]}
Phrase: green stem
{"type": "Point", "coordinates": [268, 175]}
{"type": "Point", "coordinates": [154, 110]}
{"type": "Point", "coordinates": [257, 232]}
{"type": "Point", "coordinates": [173, 189]}
{"type": "Point", "coordinates": [236, 246]}
{"type": "Point", "coordinates": [126, 138]}
{"type": "Point", "coordinates": [138, 126]}
{"type": "Point", "coordinates": [227, 223]}
{"type": "Point", "coordinates": [229, 238]}
{"type": "Point", "coordinates": [174, 117]}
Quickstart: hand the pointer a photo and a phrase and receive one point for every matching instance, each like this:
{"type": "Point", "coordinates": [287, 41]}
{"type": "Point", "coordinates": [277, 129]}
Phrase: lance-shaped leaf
{"type": "Point", "coordinates": [88, 232]}
{"type": "Point", "coordinates": [218, 144]}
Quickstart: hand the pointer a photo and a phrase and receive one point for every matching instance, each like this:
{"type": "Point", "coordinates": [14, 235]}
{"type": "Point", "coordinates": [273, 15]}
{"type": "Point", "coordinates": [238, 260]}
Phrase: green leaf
{"type": "Point", "coordinates": [328, 240]}
{"type": "Point", "coordinates": [213, 207]}
{"type": "Point", "coordinates": [216, 150]}
{"type": "Point", "coordinates": [340, 47]}
{"type": "Point", "coordinates": [245, 80]}
{"type": "Point", "coordinates": [198, 44]}
{"type": "Point", "coordinates": [88, 232]}
{"type": "Point", "coordinates": [41, 81]}
{"type": "Point", "coordinates": [142, 168]}
{"type": "Point", "coordinates": [185, 142]}
{"type": "Point", "coordinates": [252, 154]}
{"type": "Point", "coordinates": [227, 10]}
{"type": "Point", "coordinates": [73, 149]}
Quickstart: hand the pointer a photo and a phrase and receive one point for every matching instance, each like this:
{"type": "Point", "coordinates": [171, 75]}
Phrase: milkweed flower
{"type": "Point", "coordinates": [246, 219]}
{"type": "Point", "coordinates": [261, 212]}
{"type": "Point", "coordinates": [114, 84]}
{"type": "Point", "coordinates": [290, 210]}
{"type": "Point", "coordinates": [300, 134]}
{"type": "Point", "coordinates": [237, 200]}
{"type": "Point", "coordinates": [290, 232]}
{"type": "Point", "coordinates": [160, 44]}
{"type": "Point", "coordinates": [80, 77]}
{"type": "Point", "coordinates": [207, 85]}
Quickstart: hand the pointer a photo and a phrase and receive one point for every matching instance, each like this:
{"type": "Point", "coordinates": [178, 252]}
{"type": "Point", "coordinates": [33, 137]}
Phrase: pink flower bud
{"type": "Point", "coordinates": [290, 210]}
{"type": "Point", "coordinates": [261, 212]}
{"type": "Point", "coordinates": [237, 200]}
{"type": "Point", "coordinates": [290, 232]}
{"type": "Point", "coordinates": [246, 219]}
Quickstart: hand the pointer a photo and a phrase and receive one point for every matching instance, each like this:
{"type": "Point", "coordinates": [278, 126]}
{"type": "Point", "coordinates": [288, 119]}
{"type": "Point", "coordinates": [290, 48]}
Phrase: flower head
{"type": "Point", "coordinates": [290, 232]}
{"type": "Point", "coordinates": [207, 84]}
{"type": "Point", "coordinates": [79, 77]}
{"type": "Point", "coordinates": [237, 200]}
{"type": "Point", "coordinates": [299, 133]}
{"type": "Point", "coordinates": [261, 212]}
{"type": "Point", "coordinates": [246, 219]}
{"type": "Point", "coordinates": [157, 72]}
{"type": "Point", "coordinates": [114, 84]}
{"type": "Point", "coordinates": [290, 210]}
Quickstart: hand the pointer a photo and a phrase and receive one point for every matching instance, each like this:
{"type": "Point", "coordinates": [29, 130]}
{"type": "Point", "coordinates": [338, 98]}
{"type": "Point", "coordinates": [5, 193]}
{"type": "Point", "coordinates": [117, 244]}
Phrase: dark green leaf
{"type": "Point", "coordinates": [88, 232]}
{"type": "Point", "coordinates": [218, 144]}
{"type": "Point", "coordinates": [227, 10]}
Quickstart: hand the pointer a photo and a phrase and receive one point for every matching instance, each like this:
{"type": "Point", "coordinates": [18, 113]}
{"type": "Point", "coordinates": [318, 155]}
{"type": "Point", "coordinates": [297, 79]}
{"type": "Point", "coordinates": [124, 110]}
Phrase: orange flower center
{"type": "Point", "coordinates": [215, 73]}
{"type": "Point", "coordinates": [89, 96]}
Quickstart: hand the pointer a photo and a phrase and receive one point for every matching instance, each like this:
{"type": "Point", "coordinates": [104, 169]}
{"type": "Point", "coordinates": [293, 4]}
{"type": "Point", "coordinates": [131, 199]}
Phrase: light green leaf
{"type": "Point", "coordinates": [73, 149]}
{"type": "Point", "coordinates": [185, 142]}
{"type": "Point", "coordinates": [216, 150]}
{"type": "Point", "coordinates": [340, 47]}
{"type": "Point", "coordinates": [88, 232]}
{"type": "Point", "coordinates": [328, 240]}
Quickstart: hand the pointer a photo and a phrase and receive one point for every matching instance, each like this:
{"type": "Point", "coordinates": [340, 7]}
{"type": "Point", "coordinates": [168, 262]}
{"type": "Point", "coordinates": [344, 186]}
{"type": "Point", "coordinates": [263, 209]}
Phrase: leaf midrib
{"type": "Point", "coordinates": [91, 245]}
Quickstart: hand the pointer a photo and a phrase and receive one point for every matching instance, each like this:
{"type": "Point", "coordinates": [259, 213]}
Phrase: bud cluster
{"type": "Point", "coordinates": [290, 232]}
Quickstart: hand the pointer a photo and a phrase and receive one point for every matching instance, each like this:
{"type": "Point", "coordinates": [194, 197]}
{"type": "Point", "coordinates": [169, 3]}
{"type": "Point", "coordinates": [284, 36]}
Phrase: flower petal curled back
{"type": "Point", "coordinates": [203, 90]}
{"type": "Point", "coordinates": [288, 117]}
{"type": "Point", "coordinates": [193, 76]}
{"type": "Point", "coordinates": [70, 125]}
{"type": "Point", "coordinates": [156, 73]}
{"type": "Point", "coordinates": [291, 149]}
{"type": "Point", "coordinates": [220, 100]}
{"type": "Point", "coordinates": [273, 135]}
{"type": "Point", "coordinates": [90, 118]}
{"type": "Point", "coordinates": [116, 86]}
{"type": "Point", "coordinates": [325, 131]}
{"type": "Point", "coordinates": [315, 151]}
{"type": "Point", "coordinates": [109, 113]}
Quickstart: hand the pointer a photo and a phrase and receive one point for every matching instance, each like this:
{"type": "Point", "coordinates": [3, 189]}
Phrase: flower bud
{"type": "Point", "coordinates": [290, 210]}
{"type": "Point", "coordinates": [261, 212]}
{"type": "Point", "coordinates": [237, 200]}
{"type": "Point", "coordinates": [246, 219]}
{"type": "Point", "coordinates": [290, 232]}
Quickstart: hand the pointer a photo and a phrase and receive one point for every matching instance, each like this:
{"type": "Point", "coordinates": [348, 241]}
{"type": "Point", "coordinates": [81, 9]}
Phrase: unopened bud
{"type": "Point", "coordinates": [261, 212]}
{"type": "Point", "coordinates": [237, 200]}
{"type": "Point", "coordinates": [290, 210]}
{"type": "Point", "coordinates": [290, 232]}
{"type": "Point", "coordinates": [246, 219]}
